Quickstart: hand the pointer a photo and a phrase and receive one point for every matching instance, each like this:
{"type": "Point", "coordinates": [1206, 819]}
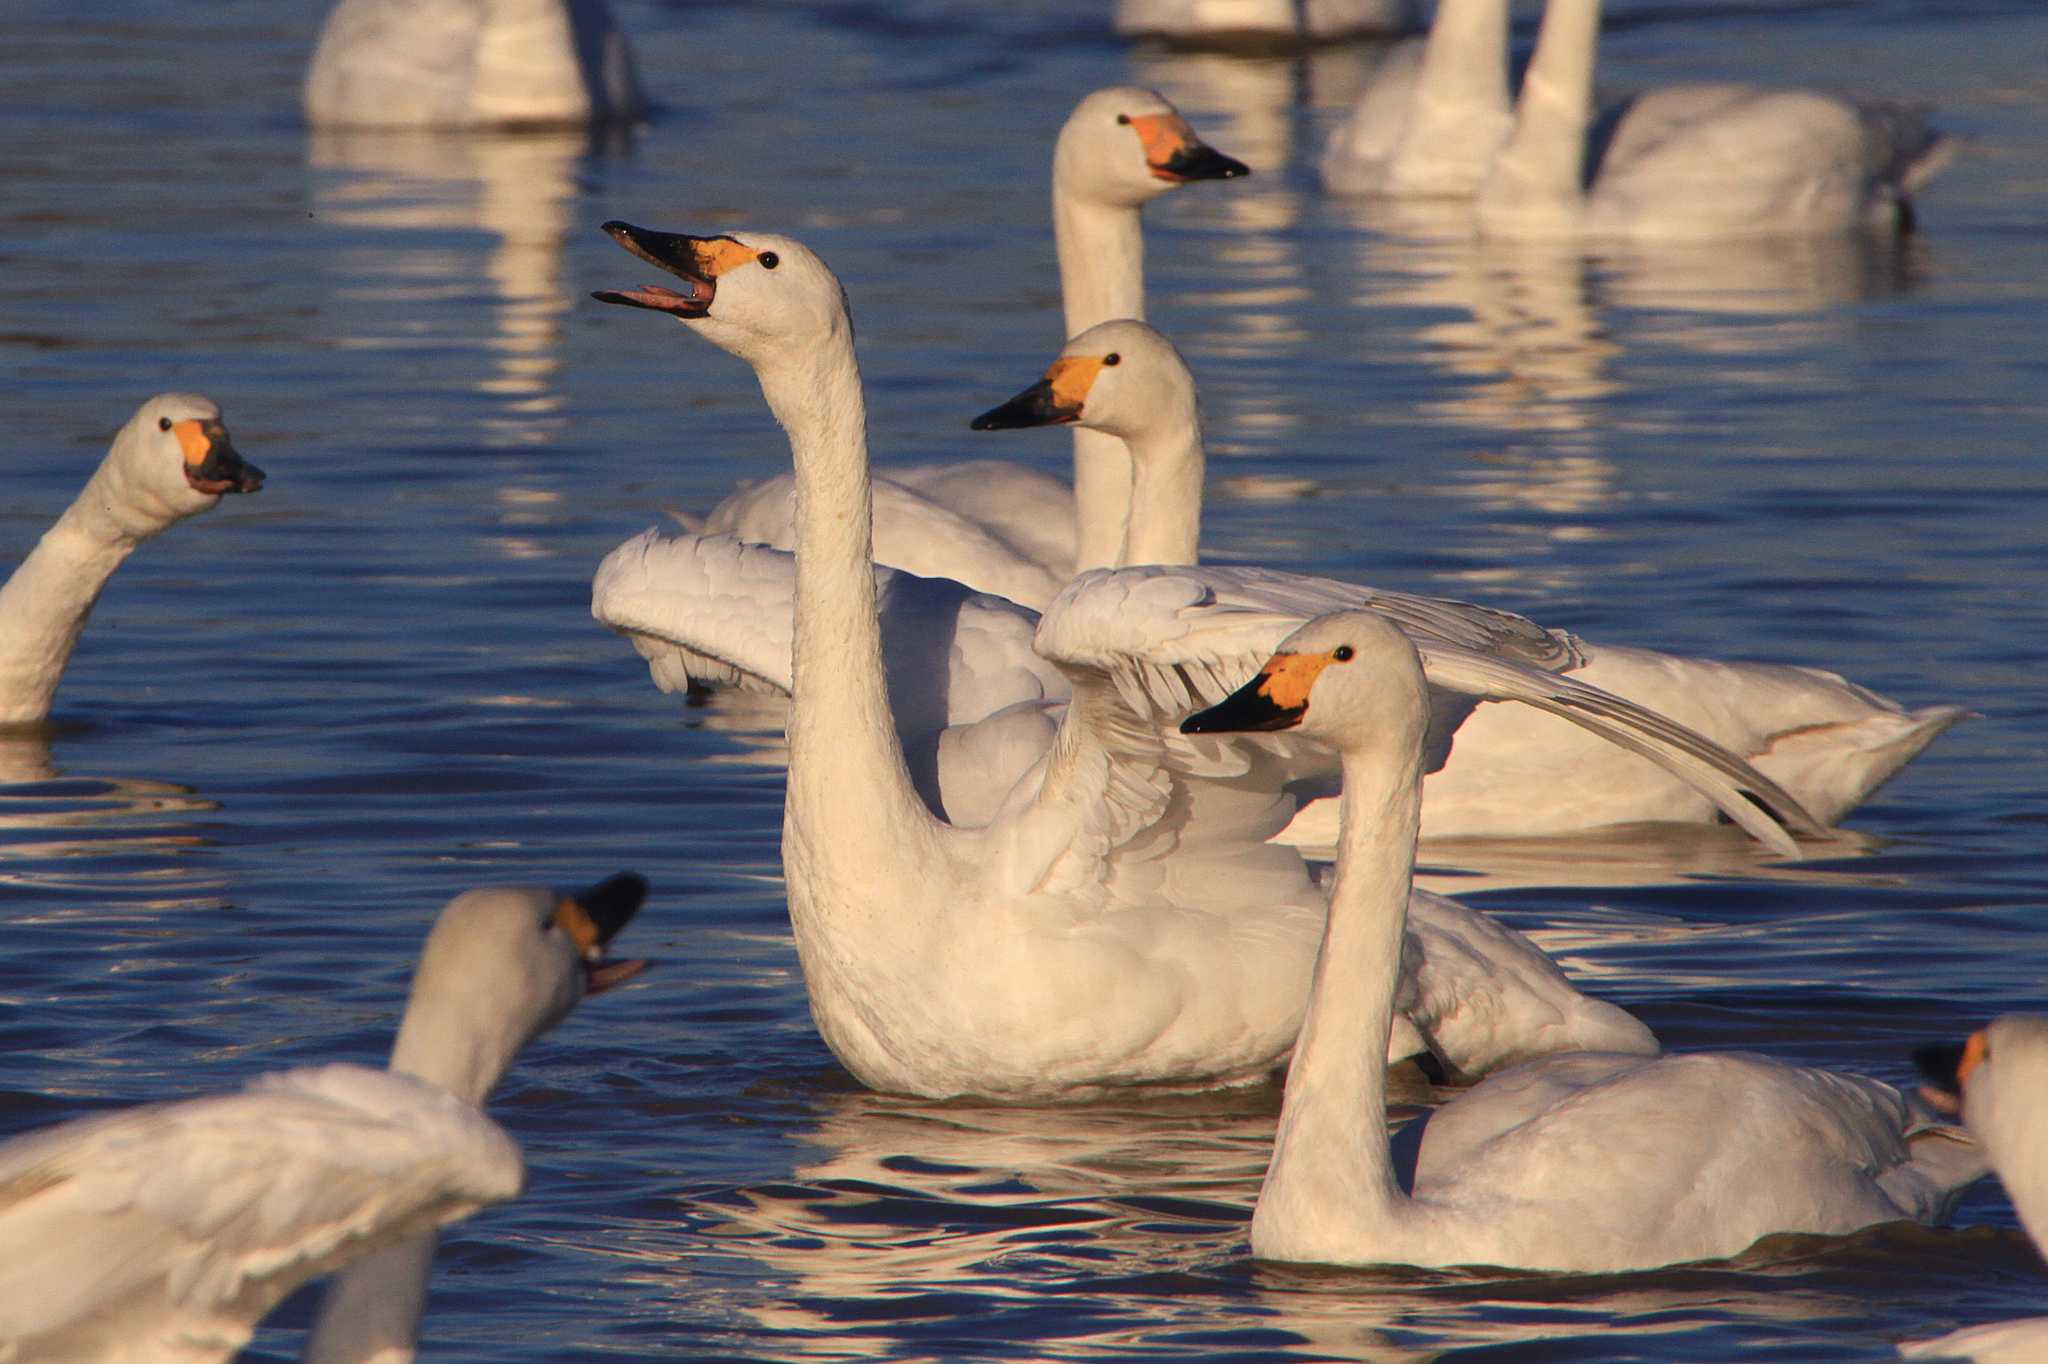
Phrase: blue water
{"type": "Point", "coordinates": [299, 724]}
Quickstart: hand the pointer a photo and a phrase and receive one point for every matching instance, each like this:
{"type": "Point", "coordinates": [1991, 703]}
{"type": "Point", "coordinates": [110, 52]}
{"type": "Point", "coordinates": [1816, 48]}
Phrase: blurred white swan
{"type": "Point", "coordinates": [166, 1231]}
{"type": "Point", "coordinates": [1119, 918]}
{"type": "Point", "coordinates": [1695, 161]}
{"type": "Point", "coordinates": [1999, 1080]}
{"type": "Point", "coordinates": [470, 64]}
{"type": "Point", "coordinates": [171, 460]}
{"type": "Point", "coordinates": [995, 525]}
{"type": "Point", "coordinates": [1827, 741]}
{"type": "Point", "coordinates": [1264, 20]}
{"type": "Point", "coordinates": [1435, 113]}
{"type": "Point", "coordinates": [1585, 1163]}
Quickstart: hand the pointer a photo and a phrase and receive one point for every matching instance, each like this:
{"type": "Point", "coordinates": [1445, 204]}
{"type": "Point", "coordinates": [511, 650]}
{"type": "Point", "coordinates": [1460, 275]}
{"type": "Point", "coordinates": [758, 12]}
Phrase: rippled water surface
{"type": "Point", "coordinates": [299, 724]}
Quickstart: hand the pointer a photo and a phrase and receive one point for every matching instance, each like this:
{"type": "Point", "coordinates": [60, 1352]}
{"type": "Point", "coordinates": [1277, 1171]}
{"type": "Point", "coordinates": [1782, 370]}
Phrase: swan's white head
{"type": "Point", "coordinates": [1350, 679]}
{"type": "Point", "coordinates": [503, 965]}
{"type": "Point", "coordinates": [756, 294]}
{"type": "Point", "coordinates": [1994, 1078]}
{"type": "Point", "coordinates": [173, 459]}
{"type": "Point", "coordinates": [1125, 145]}
{"type": "Point", "coordinates": [1122, 377]}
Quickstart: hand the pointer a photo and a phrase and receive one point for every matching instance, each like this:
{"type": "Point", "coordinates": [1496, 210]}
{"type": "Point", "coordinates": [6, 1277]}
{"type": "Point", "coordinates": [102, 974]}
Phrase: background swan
{"type": "Point", "coordinates": [1827, 741]}
{"type": "Point", "coordinates": [171, 460]}
{"type": "Point", "coordinates": [167, 1231]}
{"type": "Point", "coordinates": [1999, 1080]}
{"type": "Point", "coordinates": [1694, 162]}
{"type": "Point", "coordinates": [995, 525]}
{"type": "Point", "coordinates": [1264, 20]}
{"type": "Point", "coordinates": [1435, 112]}
{"type": "Point", "coordinates": [1585, 1162]}
{"type": "Point", "coordinates": [470, 64]}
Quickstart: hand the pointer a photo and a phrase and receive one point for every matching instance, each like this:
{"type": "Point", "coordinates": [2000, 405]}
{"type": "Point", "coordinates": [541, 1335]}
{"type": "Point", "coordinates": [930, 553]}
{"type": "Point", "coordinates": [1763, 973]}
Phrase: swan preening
{"type": "Point", "coordinates": [166, 1231]}
{"type": "Point", "coordinates": [448, 64]}
{"type": "Point", "coordinates": [1586, 1162]}
{"type": "Point", "coordinates": [172, 459]}
{"type": "Point", "coordinates": [1999, 1081]}
{"type": "Point", "coordinates": [1689, 162]}
{"type": "Point", "coordinates": [1002, 527]}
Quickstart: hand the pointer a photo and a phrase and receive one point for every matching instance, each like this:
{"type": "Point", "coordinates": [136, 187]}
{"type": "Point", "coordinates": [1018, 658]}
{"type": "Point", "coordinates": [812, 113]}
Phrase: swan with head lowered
{"type": "Point", "coordinates": [1827, 741]}
{"type": "Point", "coordinates": [165, 1232]}
{"type": "Point", "coordinates": [1583, 1163]}
{"type": "Point", "coordinates": [172, 460]}
{"type": "Point", "coordinates": [1119, 918]}
{"type": "Point", "coordinates": [1003, 527]}
{"type": "Point", "coordinates": [1998, 1080]}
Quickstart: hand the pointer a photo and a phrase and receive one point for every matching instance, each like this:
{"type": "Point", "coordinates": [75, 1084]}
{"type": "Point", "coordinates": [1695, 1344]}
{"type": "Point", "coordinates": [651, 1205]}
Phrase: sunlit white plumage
{"type": "Point", "coordinates": [999, 526]}
{"type": "Point", "coordinates": [165, 1232]}
{"type": "Point", "coordinates": [171, 460]}
{"type": "Point", "coordinates": [1585, 1162]}
{"type": "Point", "coordinates": [1435, 113]}
{"type": "Point", "coordinates": [1264, 20]}
{"type": "Point", "coordinates": [1693, 162]}
{"type": "Point", "coordinates": [2000, 1080]}
{"type": "Point", "coordinates": [470, 64]}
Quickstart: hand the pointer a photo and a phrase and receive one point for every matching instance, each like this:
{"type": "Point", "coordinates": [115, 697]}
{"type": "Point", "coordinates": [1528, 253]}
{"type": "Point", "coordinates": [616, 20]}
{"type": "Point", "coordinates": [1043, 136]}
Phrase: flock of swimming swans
{"type": "Point", "coordinates": [1050, 778]}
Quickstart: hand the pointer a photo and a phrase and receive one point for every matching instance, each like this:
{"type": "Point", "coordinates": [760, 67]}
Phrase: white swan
{"type": "Point", "coordinates": [165, 1232]}
{"type": "Point", "coordinates": [1587, 1162]}
{"type": "Point", "coordinates": [1435, 113]}
{"type": "Point", "coordinates": [1264, 21]}
{"type": "Point", "coordinates": [1002, 527]}
{"type": "Point", "coordinates": [1827, 741]}
{"type": "Point", "coordinates": [470, 64]}
{"type": "Point", "coordinates": [1694, 162]}
{"type": "Point", "coordinates": [1119, 919]}
{"type": "Point", "coordinates": [172, 460]}
{"type": "Point", "coordinates": [1999, 1080]}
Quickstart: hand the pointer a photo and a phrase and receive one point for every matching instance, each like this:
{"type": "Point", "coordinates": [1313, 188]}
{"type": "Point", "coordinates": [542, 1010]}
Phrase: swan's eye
{"type": "Point", "coordinates": [1343, 653]}
{"type": "Point", "coordinates": [163, 423]}
{"type": "Point", "coordinates": [769, 260]}
{"type": "Point", "coordinates": [1124, 119]}
{"type": "Point", "coordinates": [1112, 359]}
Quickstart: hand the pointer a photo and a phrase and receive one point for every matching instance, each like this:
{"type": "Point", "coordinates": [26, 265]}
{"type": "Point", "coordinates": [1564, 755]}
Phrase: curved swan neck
{"type": "Point", "coordinates": [1167, 467]}
{"type": "Point", "coordinates": [1332, 1169]}
{"type": "Point", "coordinates": [1540, 172]}
{"type": "Point", "coordinates": [371, 1311]}
{"type": "Point", "coordinates": [1460, 109]}
{"type": "Point", "coordinates": [1102, 277]}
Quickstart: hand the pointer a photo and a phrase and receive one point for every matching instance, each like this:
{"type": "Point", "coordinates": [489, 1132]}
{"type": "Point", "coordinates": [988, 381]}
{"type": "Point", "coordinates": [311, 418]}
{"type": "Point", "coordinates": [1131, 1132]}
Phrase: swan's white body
{"type": "Point", "coordinates": [470, 64]}
{"type": "Point", "coordinates": [1584, 1162]}
{"type": "Point", "coordinates": [1268, 20]}
{"type": "Point", "coordinates": [1825, 740]}
{"type": "Point", "coordinates": [1435, 113]}
{"type": "Point", "coordinates": [2004, 1081]}
{"type": "Point", "coordinates": [1118, 918]}
{"type": "Point", "coordinates": [998, 526]}
{"type": "Point", "coordinates": [1693, 162]}
{"type": "Point", "coordinates": [165, 1232]}
{"type": "Point", "coordinates": [170, 461]}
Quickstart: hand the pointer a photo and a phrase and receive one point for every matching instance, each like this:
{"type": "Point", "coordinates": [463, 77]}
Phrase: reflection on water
{"type": "Point", "coordinates": [96, 836]}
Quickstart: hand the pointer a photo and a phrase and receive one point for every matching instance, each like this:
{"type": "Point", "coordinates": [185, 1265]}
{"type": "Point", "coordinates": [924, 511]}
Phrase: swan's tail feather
{"type": "Point", "coordinates": [1835, 768]}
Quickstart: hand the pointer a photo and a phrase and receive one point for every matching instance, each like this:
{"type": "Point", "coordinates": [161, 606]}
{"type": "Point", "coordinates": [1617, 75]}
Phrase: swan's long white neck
{"type": "Point", "coordinates": [1167, 467]}
{"type": "Point", "coordinates": [44, 605]}
{"type": "Point", "coordinates": [1332, 1174]}
{"type": "Point", "coordinates": [1537, 183]}
{"type": "Point", "coordinates": [1102, 277]}
{"type": "Point", "coordinates": [1460, 108]}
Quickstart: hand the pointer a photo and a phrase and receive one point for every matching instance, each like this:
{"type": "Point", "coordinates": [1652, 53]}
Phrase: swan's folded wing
{"type": "Point", "coordinates": [196, 1217]}
{"type": "Point", "coordinates": [1174, 640]}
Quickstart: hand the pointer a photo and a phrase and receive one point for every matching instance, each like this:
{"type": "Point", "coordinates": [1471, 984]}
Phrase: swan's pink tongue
{"type": "Point", "coordinates": [655, 296]}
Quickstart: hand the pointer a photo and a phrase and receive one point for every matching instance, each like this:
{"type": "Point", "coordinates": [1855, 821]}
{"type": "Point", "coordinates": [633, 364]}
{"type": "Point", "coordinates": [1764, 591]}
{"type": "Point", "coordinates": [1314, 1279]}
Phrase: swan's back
{"type": "Point", "coordinates": [165, 1232]}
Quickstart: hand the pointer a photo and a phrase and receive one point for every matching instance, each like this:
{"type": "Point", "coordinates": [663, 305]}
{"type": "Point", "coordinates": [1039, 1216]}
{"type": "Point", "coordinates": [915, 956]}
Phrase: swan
{"type": "Point", "coordinates": [1435, 113]}
{"type": "Point", "coordinates": [1002, 527]}
{"type": "Point", "coordinates": [1581, 1163]}
{"type": "Point", "coordinates": [1996, 1080]}
{"type": "Point", "coordinates": [1119, 919]}
{"type": "Point", "coordinates": [172, 459]}
{"type": "Point", "coordinates": [470, 64]}
{"type": "Point", "coordinates": [166, 1231]}
{"type": "Point", "coordinates": [1827, 741]}
{"type": "Point", "coordinates": [1264, 20]}
{"type": "Point", "coordinates": [1694, 162]}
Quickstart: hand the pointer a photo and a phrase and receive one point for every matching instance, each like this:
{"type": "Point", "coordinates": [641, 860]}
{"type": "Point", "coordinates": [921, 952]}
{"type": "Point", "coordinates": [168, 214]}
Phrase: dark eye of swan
{"type": "Point", "coordinates": [769, 260]}
{"type": "Point", "coordinates": [163, 423]}
{"type": "Point", "coordinates": [1112, 359]}
{"type": "Point", "coordinates": [1124, 119]}
{"type": "Point", "coordinates": [1343, 653]}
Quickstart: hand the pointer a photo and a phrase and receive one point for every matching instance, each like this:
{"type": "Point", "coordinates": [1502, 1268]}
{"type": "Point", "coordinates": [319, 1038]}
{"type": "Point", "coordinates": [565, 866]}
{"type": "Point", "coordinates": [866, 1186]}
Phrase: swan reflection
{"type": "Point", "coordinates": [97, 838]}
